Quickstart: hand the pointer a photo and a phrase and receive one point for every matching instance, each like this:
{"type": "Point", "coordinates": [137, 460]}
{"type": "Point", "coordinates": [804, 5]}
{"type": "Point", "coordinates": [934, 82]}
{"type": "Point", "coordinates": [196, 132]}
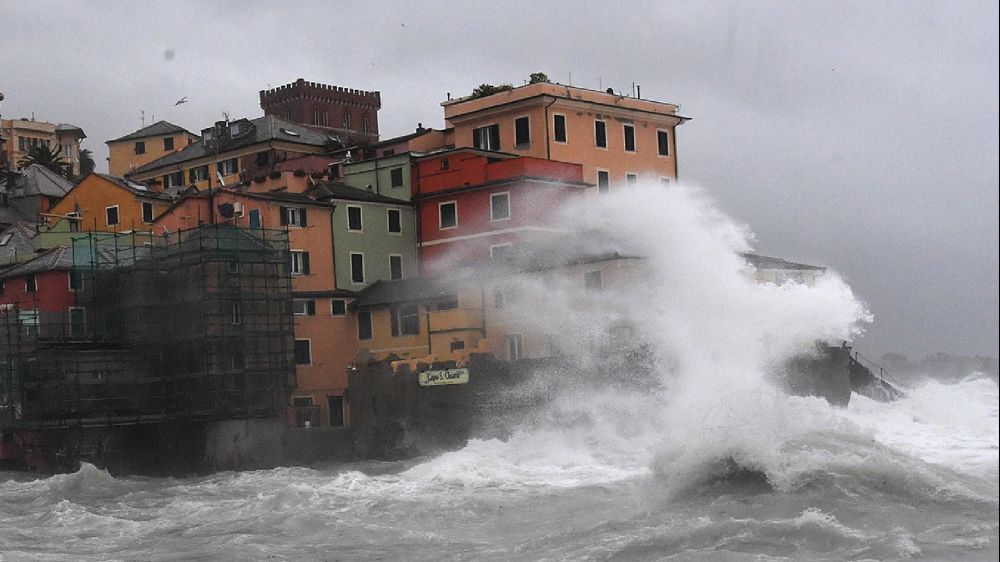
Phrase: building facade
{"type": "Point", "coordinates": [23, 134]}
{"type": "Point", "coordinates": [618, 140]}
{"type": "Point", "coordinates": [106, 203]}
{"type": "Point", "coordinates": [128, 153]}
{"type": "Point", "coordinates": [347, 114]}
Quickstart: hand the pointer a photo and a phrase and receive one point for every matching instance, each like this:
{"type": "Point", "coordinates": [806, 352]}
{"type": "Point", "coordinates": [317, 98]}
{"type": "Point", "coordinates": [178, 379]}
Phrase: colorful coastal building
{"type": "Point", "coordinates": [128, 153]}
{"type": "Point", "coordinates": [475, 205]}
{"type": "Point", "coordinates": [111, 204]}
{"type": "Point", "coordinates": [23, 134]}
{"type": "Point", "coordinates": [619, 140]}
{"type": "Point", "coordinates": [40, 293]}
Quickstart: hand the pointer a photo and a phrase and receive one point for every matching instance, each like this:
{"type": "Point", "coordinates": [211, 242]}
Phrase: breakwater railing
{"type": "Point", "coordinates": [883, 376]}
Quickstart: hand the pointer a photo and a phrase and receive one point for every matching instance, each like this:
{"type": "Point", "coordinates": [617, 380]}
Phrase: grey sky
{"type": "Point", "coordinates": [862, 136]}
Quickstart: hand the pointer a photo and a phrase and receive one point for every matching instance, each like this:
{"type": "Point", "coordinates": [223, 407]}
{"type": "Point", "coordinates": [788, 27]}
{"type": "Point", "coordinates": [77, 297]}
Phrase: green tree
{"type": "Point", "coordinates": [489, 89]}
{"type": "Point", "coordinates": [538, 77]}
{"type": "Point", "coordinates": [44, 156]}
{"type": "Point", "coordinates": [87, 164]}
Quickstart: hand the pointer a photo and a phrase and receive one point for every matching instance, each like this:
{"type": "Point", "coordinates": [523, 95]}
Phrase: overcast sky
{"type": "Point", "coordinates": [861, 136]}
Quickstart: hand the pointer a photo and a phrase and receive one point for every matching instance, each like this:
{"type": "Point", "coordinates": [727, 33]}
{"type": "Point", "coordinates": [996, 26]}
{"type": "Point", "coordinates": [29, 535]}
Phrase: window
{"type": "Point", "coordinates": [140, 147]}
{"type": "Point", "coordinates": [522, 132]}
{"type": "Point", "coordinates": [592, 280]}
{"type": "Point", "coordinates": [112, 215]}
{"type": "Point", "coordinates": [303, 307]}
{"type": "Point", "coordinates": [388, 152]}
{"type": "Point", "coordinates": [147, 212]}
{"type": "Point", "coordinates": [662, 143]}
{"type": "Point", "coordinates": [30, 284]}
{"type": "Point", "coordinates": [444, 164]}
{"type": "Point", "coordinates": [447, 215]}
{"type": "Point", "coordinates": [486, 138]}
{"type": "Point", "coordinates": [237, 313]}
{"type": "Point", "coordinates": [75, 280]}
{"type": "Point", "coordinates": [261, 159]}
{"type": "Point", "coordinates": [299, 262]}
{"type": "Point", "coordinates": [335, 408]}
{"type": "Point", "coordinates": [501, 252]}
{"type": "Point", "coordinates": [499, 206]}
{"type": "Point", "coordinates": [68, 151]}
{"type": "Point", "coordinates": [396, 177]}
{"type": "Point", "coordinates": [395, 267]}
{"type": "Point", "coordinates": [665, 181]}
{"type": "Point", "coordinates": [513, 346]}
{"type": "Point", "coordinates": [338, 307]}
{"type": "Point", "coordinates": [303, 352]}
{"type": "Point", "coordinates": [600, 134]}
{"type": "Point", "coordinates": [321, 118]}
{"type": "Point", "coordinates": [357, 267]}
{"type": "Point", "coordinates": [629, 138]}
{"type": "Point", "coordinates": [354, 218]}
{"type": "Point", "coordinates": [175, 179]}
{"type": "Point", "coordinates": [395, 221]}
{"type": "Point", "coordinates": [254, 218]}
{"type": "Point", "coordinates": [168, 143]}
{"type": "Point", "coordinates": [233, 266]}
{"type": "Point", "coordinates": [456, 345]}
{"type": "Point", "coordinates": [29, 320]}
{"type": "Point", "coordinates": [366, 123]}
{"type": "Point", "coordinates": [77, 321]}
{"type": "Point", "coordinates": [293, 216]}
{"type": "Point", "coordinates": [631, 180]}
{"type": "Point", "coordinates": [365, 325]}
{"type": "Point", "coordinates": [347, 121]}
{"type": "Point", "coordinates": [198, 173]}
{"type": "Point", "coordinates": [229, 167]}
{"type": "Point", "coordinates": [405, 320]}
{"type": "Point", "coordinates": [21, 145]}
{"type": "Point", "coordinates": [603, 181]}
{"type": "Point", "coordinates": [559, 127]}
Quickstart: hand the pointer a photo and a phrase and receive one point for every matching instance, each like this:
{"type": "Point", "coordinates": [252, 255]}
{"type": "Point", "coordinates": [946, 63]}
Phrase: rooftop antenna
{"type": "Point", "coordinates": [570, 77]}
{"type": "Point", "coordinates": [142, 117]}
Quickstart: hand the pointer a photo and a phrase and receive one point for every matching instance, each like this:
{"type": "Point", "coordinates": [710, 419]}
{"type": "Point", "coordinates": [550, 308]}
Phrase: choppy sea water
{"type": "Point", "coordinates": [912, 479]}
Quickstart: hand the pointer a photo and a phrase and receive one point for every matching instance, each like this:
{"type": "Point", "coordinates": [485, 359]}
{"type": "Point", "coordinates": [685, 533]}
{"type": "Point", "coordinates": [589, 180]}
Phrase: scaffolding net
{"type": "Point", "coordinates": [195, 324]}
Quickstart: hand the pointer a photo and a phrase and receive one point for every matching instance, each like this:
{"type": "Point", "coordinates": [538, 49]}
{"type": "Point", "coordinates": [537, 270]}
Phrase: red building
{"type": "Point", "coordinates": [349, 114]}
{"type": "Point", "coordinates": [474, 205]}
{"type": "Point", "coordinates": [42, 293]}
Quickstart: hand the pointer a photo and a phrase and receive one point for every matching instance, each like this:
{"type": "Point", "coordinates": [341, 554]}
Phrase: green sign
{"type": "Point", "coordinates": [448, 376]}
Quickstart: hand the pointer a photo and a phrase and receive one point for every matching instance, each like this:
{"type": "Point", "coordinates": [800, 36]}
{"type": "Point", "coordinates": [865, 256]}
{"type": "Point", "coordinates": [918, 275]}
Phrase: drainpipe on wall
{"type": "Point", "coordinates": [548, 142]}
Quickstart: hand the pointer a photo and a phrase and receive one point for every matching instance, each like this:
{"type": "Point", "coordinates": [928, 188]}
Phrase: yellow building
{"type": "Point", "coordinates": [128, 153]}
{"type": "Point", "coordinates": [23, 134]}
{"type": "Point", "coordinates": [106, 203]}
{"type": "Point", "coordinates": [619, 140]}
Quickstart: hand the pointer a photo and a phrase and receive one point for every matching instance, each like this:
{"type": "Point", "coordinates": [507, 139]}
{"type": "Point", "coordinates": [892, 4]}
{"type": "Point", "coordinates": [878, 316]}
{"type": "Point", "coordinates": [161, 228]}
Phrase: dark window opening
{"type": "Point", "coordinates": [354, 218]}
{"type": "Point", "coordinates": [560, 127]}
{"type": "Point", "coordinates": [140, 147]}
{"type": "Point", "coordinates": [365, 325]}
{"type": "Point", "coordinates": [357, 268]}
{"type": "Point", "coordinates": [662, 143]}
{"type": "Point", "coordinates": [522, 132]}
{"type": "Point", "coordinates": [395, 221]}
{"type": "Point", "coordinates": [168, 143]}
{"type": "Point", "coordinates": [396, 177]}
{"type": "Point", "coordinates": [603, 182]}
{"type": "Point", "coordinates": [147, 212]}
{"type": "Point", "coordinates": [303, 352]}
{"type": "Point", "coordinates": [601, 134]}
{"type": "Point", "coordinates": [629, 138]}
{"type": "Point", "coordinates": [395, 267]}
{"type": "Point", "coordinates": [486, 138]}
{"type": "Point", "coordinates": [338, 307]}
{"type": "Point", "coordinates": [448, 215]}
{"type": "Point", "coordinates": [335, 405]}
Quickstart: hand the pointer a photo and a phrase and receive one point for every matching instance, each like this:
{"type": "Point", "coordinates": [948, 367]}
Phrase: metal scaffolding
{"type": "Point", "coordinates": [196, 324]}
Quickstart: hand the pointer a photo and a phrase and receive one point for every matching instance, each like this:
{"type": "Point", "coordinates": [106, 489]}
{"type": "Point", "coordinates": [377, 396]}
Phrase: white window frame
{"type": "Point", "coordinates": [402, 176]}
{"type": "Point", "coordinates": [400, 257]}
{"type": "Point", "coordinates": [487, 126]}
{"type": "Point", "coordinates": [297, 262]}
{"type": "Point", "coordinates": [635, 139]}
{"type": "Point", "coordinates": [518, 342]}
{"type": "Point", "coordinates": [597, 172]}
{"type": "Point", "coordinates": [351, 268]}
{"type": "Point", "coordinates": [522, 146]}
{"type": "Point", "coordinates": [142, 212]}
{"type": "Point", "coordinates": [361, 217]}
{"type": "Point", "coordinates": [442, 204]}
{"type": "Point", "coordinates": [305, 307]}
{"type": "Point", "coordinates": [332, 313]}
{"type": "Point", "coordinates": [607, 138]}
{"type": "Point", "coordinates": [260, 218]}
{"type": "Point", "coordinates": [294, 216]}
{"type": "Point", "coordinates": [118, 215]}
{"type": "Point", "coordinates": [223, 167]}
{"type": "Point", "coordinates": [297, 364]}
{"type": "Point", "coordinates": [388, 223]}
{"type": "Point", "coordinates": [565, 128]}
{"type": "Point", "coordinates": [658, 131]}
{"type": "Point", "coordinates": [493, 218]}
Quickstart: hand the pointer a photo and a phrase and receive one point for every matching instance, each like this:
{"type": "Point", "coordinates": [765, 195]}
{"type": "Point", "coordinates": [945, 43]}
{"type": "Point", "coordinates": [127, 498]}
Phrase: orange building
{"type": "Point", "coordinates": [107, 203]}
{"type": "Point", "coordinates": [324, 334]}
{"type": "Point", "coordinates": [23, 134]}
{"type": "Point", "coordinates": [128, 153]}
{"type": "Point", "coordinates": [619, 140]}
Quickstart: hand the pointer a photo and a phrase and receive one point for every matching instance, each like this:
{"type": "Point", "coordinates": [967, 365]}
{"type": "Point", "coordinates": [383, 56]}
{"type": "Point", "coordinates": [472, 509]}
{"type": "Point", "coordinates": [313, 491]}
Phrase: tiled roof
{"type": "Point", "coordinates": [156, 129]}
{"type": "Point", "coordinates": [37, 180]}
{"type": "Point", "coordinates": [58, 258]}
{"type": "Point", "coordinates": [16, 240]}
{"type": "Point", "coordinates": [333, 190]}
{"type": "Point", "coordinates": [265, 129]}
{"type": "Point", "coordinates": [403, 290]}
{"type": "Point", "coordinates": [137, 189]}
{"type": "Point", "coordinates": [67, 127]}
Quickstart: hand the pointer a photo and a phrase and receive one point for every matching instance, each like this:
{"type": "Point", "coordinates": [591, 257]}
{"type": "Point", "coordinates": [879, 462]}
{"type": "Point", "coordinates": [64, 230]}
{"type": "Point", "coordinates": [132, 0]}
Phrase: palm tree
{"type": "Point", "coordinates": [44, 156]}
{"type": "Point", "coordinates": [87, 164]}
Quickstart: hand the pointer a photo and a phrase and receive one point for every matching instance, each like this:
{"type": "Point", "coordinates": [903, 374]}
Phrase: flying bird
{"type": "Point", "coordinates": [182, 100]}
